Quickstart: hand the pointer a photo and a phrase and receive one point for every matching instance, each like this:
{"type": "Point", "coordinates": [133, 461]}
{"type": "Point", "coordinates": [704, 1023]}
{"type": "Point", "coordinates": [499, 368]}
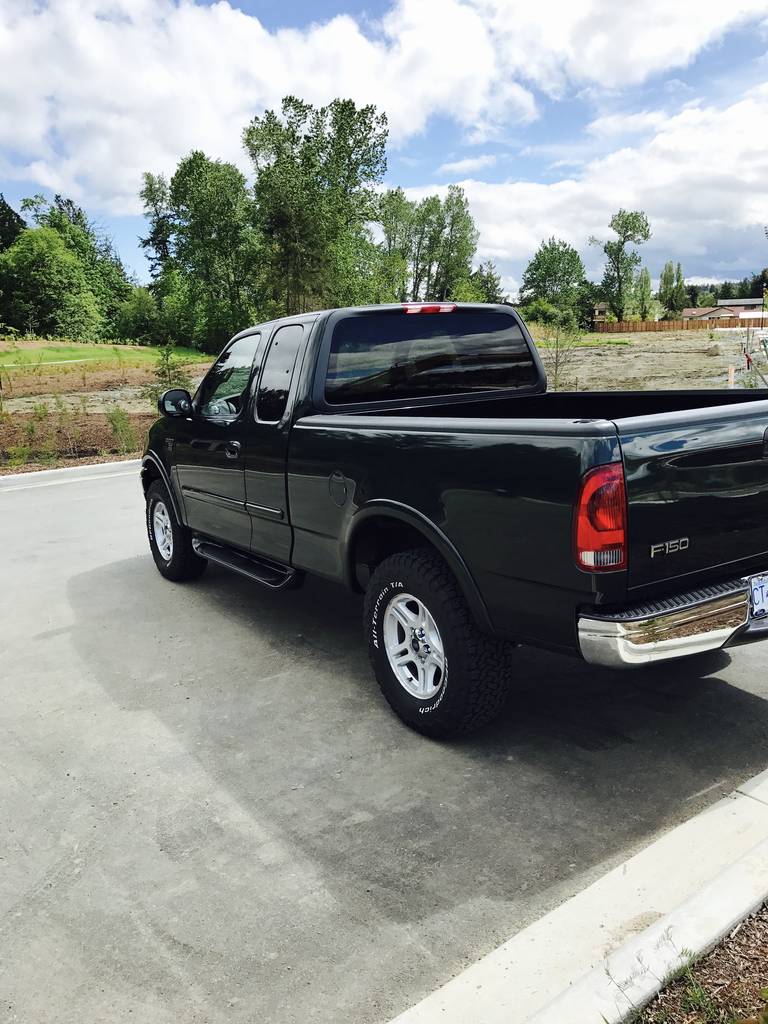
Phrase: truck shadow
{"type": "Point", "coordinates": [272, 694]}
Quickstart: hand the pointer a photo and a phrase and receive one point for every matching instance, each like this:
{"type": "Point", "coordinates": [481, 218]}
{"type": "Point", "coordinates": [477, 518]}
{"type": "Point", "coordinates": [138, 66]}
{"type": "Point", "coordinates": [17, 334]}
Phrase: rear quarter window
{"type": "Point", "coordinates": [276, 376]}
{"type": "Point", "coordinates": [393, 355]}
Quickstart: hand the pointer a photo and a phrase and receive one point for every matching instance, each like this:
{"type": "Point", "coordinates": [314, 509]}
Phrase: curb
{"type": "Point", "coordinates": [629, 978]}
{"type": "Point", "coordinates": [606, 952]}
{"type": "Point", "coordinates": [65, 474]}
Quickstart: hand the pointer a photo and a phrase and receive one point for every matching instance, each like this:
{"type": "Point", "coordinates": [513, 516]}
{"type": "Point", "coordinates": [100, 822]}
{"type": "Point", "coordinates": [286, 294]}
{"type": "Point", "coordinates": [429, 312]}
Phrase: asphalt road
{"type": "Point", "coordinates": [208, 814]}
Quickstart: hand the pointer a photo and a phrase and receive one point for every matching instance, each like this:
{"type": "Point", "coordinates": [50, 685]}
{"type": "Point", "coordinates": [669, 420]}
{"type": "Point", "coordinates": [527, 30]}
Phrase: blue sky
{"type": "Point", "coordinates": [551, 116]}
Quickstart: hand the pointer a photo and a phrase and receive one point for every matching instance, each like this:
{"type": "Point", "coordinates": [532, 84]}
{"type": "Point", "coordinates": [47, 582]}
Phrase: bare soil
{"type": "Point", "coordinates": [657, 362]}
{"type": "Point", "coordinates": [68, 438]}
{"type": "Point", "coordinates": [79, 395]}
{"type": "Point", "coordinates": [69, 379]}
{"type": "Point", "coordinates": [99, 387]}
{"type": "Point", "coordinates": [727, 986]}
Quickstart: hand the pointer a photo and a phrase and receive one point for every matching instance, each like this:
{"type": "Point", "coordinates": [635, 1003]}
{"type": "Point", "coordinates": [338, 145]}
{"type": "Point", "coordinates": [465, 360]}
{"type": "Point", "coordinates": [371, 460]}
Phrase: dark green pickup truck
{"type": "Point", "coordinates": [411, 452]}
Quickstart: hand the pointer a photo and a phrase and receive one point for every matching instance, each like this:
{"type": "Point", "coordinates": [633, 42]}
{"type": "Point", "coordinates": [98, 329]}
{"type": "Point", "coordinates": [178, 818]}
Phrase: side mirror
{"type": "Point", "coordinates": [175, 402]}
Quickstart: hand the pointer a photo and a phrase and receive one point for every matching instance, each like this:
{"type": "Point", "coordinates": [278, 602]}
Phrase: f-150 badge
{"type": "Point", "coordinates": [670, 547]}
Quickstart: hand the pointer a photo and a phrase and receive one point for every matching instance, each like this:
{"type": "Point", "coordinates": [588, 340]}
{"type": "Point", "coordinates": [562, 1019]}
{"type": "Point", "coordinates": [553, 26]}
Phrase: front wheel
{"type": "Point", "coordinates": [437, 670]}
{"type": "Point", "coordinates": [170, 541]}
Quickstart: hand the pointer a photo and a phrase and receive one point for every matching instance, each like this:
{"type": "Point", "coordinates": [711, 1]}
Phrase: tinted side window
{"type": "Point", "coordinates": [223, 392]}
{"type": "Point", "coordinates": [379, 356]}
{"type": "Point", "coordinates": [276, 375]}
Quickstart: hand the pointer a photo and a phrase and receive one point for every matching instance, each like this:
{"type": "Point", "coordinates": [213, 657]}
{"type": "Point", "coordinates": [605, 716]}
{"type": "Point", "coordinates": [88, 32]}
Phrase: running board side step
{"type": "Point", "coordinates": [269, 574]}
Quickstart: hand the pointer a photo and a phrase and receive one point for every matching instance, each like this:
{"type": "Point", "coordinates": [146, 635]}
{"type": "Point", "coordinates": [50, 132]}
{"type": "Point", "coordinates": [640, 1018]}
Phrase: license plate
{"type": "Point", "coordinates": [759, 597]}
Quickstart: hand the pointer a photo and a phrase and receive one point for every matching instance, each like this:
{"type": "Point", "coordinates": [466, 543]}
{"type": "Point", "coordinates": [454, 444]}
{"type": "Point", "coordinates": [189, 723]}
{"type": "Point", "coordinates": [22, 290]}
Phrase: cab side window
{"type": "Point", "coordinates": [223, 392]}
{"type": "Point", "coordinates": [278, 369]}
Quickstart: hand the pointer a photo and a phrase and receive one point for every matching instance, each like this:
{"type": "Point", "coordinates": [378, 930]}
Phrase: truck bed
{"type": "Point", "coordinates": [603, 405]}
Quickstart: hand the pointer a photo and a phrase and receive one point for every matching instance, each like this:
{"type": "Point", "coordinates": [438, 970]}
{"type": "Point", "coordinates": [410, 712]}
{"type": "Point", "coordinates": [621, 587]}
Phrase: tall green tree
{"type": "Point", "coordinates": [456, 248]}
{"type": "Point", "coordinates": [643, 294]}
{"type": "Point", "coordinates": [316, 172]}
{"type": "Point", "coordinates": [679, 292]}
{"type": "Point", "coordinates": [103, 269]}
{"type": "Point", "coordinates": [155, 195]}
{"type": "Point", "coordinates": [396, 219]}
{"type": "Point", "coordinates": [204, 248]}
{"type": "Point", "coordinates": [666, 293]}
{"type": "Point", "coordinates": [427, 250]}
{"type": "Point", "coordinates": [554, 274]}
{"type": "Point", "coordinates": [706, 298]}
{"type": "Point", "coordinates": [631, 227]}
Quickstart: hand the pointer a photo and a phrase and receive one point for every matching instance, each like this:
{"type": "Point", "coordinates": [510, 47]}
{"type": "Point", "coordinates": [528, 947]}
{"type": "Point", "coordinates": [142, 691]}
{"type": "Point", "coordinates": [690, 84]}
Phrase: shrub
{"type": "Point", "coordinates": [122, 430]}
{"type": "Point", "coordinates": [169, 373]}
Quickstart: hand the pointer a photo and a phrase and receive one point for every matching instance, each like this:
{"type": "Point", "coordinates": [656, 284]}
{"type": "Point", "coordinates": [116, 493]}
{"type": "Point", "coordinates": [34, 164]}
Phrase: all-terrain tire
{"type": "Point", "coordinates": [477, 667]}
{"type": "Point", "coordinates": [177, 560]}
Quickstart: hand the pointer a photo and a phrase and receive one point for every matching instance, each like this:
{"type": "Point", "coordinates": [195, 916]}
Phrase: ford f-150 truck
{"type": "Point", "coordinates": [413, 453]}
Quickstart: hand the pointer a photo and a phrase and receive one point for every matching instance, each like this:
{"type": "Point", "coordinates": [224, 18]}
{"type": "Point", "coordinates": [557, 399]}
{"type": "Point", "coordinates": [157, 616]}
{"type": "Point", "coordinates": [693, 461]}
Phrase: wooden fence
{"type": "Point", "coordinates": [625, 326]}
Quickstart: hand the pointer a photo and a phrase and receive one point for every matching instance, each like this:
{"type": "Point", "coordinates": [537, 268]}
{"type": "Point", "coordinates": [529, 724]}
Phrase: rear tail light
{"type": "Point", "coordinates": [429, 307]}
{"type": "Point", "coordinates": [600, 526]}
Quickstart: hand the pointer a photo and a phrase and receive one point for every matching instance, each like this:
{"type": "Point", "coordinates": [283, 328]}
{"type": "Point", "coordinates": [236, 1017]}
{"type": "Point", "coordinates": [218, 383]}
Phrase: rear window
{"type": "Point", "coordinates": [381, 356]}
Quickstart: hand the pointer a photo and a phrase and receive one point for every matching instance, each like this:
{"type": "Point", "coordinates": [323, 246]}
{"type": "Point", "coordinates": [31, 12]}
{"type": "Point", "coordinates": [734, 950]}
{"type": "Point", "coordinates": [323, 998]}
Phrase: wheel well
{"type": "Point", "coordinates": [378, 538]}
{"type": "Point", "coordinates": [149, 473]}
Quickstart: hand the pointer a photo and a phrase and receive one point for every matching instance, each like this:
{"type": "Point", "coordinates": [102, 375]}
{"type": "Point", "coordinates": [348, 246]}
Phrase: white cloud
{"type": "Point", "coordinates": [511, 286]}
{"type": "Point", "coordinates": [704, 203]}
{"type": "Point", "coordinates": [552, 42]}
{"type": "Point", "coordinates": [93, 92]}
{"type": "Point", "coordinates": [468, 165]}
{"type": "Point", "coordinates": [626, 124]}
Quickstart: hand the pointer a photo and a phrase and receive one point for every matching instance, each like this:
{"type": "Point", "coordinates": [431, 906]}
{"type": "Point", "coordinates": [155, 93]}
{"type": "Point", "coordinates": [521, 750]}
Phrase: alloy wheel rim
{"type": "Point", "coordinates": [163, 530]}
{"type": "Point", "coordinates": [414, 647]}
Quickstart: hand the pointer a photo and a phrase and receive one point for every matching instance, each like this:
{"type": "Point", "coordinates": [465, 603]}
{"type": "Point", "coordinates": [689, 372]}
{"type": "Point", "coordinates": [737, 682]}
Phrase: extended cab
{"type": "Point", "coordinates": [412, 453]}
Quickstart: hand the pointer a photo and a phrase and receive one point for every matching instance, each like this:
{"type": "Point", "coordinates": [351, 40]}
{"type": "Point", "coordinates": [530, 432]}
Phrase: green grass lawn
{"type": "Point", "coordinates": [28, 356]}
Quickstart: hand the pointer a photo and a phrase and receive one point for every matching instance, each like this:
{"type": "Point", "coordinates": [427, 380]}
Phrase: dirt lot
{"type": "Point", "coordinates": [31, 440]}
{"type": "Point", "coordinates": [650, 361]}
{"type": "Point", "coordinates": [64, 401]}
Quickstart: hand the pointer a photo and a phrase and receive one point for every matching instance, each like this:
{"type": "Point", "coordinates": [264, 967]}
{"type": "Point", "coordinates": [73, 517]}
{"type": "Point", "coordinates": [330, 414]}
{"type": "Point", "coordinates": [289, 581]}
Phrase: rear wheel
{"type": "Point", "coordinates": [437, 670]}
{"type": "Point", "coordinates": [169, 540]}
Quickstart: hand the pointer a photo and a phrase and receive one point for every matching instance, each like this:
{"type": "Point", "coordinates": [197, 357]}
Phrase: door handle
{"type": "Point", "coordinates": [232, 449]}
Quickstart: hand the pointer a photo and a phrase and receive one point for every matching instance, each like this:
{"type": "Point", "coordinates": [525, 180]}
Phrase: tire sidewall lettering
{"type": "Point", "coordinates": [436, 703]}
{"type": "Point", "coordinates": [382, 599]}
{"type": "Point", "coordinates": [389, 588]}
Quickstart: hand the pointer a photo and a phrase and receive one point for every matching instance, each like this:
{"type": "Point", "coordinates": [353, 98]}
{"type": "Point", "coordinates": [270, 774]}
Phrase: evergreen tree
{"type": "Point", "coordinates": [11, 224]}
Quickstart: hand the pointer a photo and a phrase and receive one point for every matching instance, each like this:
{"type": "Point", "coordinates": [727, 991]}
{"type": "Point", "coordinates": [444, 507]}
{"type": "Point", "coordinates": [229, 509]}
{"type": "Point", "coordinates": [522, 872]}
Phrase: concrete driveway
{"type": "Point", "coordinates": [209, 814]}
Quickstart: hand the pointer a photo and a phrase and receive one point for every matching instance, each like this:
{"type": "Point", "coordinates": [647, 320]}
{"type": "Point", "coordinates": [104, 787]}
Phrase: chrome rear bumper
{"type": "Point", "coordinates": [690, 623]}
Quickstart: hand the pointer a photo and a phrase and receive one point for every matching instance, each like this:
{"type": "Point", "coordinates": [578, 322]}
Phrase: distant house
{"type": "Point", "coordinates": [699, 312]}
{"type": "Point", "coordinates": [745, 309]}
{"type": "Point", "coordinates": [600, 312]}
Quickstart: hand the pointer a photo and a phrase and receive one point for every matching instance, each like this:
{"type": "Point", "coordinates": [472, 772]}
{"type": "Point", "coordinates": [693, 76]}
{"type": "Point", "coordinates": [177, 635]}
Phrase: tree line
{"type": "Point", "coordinates": [312, 228]}
{"type": "Point", "coordinates": [555, 287]}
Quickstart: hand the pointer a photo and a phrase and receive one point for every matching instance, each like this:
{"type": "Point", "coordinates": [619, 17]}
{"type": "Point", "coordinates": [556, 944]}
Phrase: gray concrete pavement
{"type": "Point", "coordinates": [209, 815]}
